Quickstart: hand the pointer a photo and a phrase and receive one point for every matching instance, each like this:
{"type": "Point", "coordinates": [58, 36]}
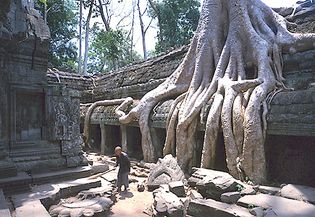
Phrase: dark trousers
{"type": "Point", "coordinates": [122, 179]}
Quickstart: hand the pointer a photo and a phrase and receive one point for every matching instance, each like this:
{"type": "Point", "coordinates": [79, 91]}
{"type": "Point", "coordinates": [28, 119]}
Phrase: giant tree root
{"type": "Point", "coordinates": [234, 62]}
{"type": "Point", "coordinates": [124, 103]}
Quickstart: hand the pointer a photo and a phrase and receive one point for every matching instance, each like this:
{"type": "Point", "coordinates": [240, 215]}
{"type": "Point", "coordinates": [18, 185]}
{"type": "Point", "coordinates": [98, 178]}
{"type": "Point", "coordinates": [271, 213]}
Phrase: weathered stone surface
{"type": "Point", "coordinates": [99, 167]}
{"type": "Point", "coordinates": [32, 208]}
{"type": "Point", "coordinates": [211, 183]}
{"type": "Point", "coordinates": [257, 211]}
{"type": "Point", "coordinates": [209, 207]}
{"type": "Point", "coordinates": [167, 204]}
{"type": "Point", "coordinates": [268, 190]}
{"type": "Point", "coordinates": [85, 207]}
{"type": "Point", "coordinates": [246, 189]}
{"type": "Point", "coordinates": [166, 170]}
{"type": "Point", "coordinates": [282, 207]}
{"type": "Point", "coordinates": [177, 188]}
{"type": "Point", "coordinates": [4, 210]}
{"type": "Point", "coordinates": [230, 197]}
{"type": "Point", "coordinates": [195, 195]}
{"type": "Point", "coordinates": [49, 193]}
{"type": "Point", "coordinates": [298, 192]}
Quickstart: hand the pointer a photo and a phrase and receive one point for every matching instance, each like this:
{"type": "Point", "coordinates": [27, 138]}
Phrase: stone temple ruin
{"type": "Point", "coordinates": [42, 112]}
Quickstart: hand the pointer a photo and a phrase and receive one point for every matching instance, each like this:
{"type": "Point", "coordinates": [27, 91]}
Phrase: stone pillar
{"type": "Point", "coordinates": [103, 138]}
{"type": "Point", "coordinates": [123, 130]}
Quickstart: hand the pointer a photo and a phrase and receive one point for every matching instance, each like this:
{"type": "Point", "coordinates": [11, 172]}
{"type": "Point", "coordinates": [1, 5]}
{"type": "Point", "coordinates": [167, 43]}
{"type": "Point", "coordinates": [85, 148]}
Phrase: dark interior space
{"type": "Point", "coordinates": [29, 116]}
{"type": "Point", "coordinates": [291, 159]}
{"type": "Point", "coordinates": [158, 138]}
{"type": "Point", "coordinates": [220, 160]}
{"type": "Point", "coordinates": [112, 139]}
{"type": "Point", "coordinates": [95, 137]}
{"type": "Point", "coordinates": [134, 143]}
{"type": "Point", "coordinates": [199, 140]}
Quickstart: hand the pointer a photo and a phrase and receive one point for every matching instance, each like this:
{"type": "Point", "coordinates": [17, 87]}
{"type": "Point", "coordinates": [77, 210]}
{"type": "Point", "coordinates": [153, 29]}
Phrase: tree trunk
{"type": "Point", "coordinates": [233, 64]}
{"type": "Point", "coordinates": [86, 41]}
{"type": "Point", "coordinates": [145, 56]}
{"type": "Point", "coordinates": [80, 38]}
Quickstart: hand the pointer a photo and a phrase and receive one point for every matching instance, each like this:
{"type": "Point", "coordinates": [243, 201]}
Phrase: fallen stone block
{"type": "Point", "coordinates": [282, 207]}
{"type": "Point", "coordinates": [99, 167]}
{"type": "Point", "coordinates": [209, 207]}
{"type": "Point", "coordinates": [211, 183]}
{"type": "Point", "coordinates": [177, 188]}
{"type": "Point", "coordinates": [166, 170]}
{"type": "Point", "coordinates": [230, 197]}
{"type": "Point", "coordinates": [257, 211]}
{"type": "Point", "coordinates": [298, 192]}
{"type": "Point", "coordinates": [195, 195]}
{"type": "Point", "coordinates": [167, 204]}
{"type": "Point", "coordinates": [268, 190]}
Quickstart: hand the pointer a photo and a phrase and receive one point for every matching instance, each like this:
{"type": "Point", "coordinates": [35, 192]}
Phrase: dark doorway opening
{"type": "Point", "coordinates": [291, 159]}
{"type": "Point", "coordinates": [95, 137]}
{"type": "Point", "coordinates": [112, 139]}
{"type": "Point", "coordinates": [134, 143]}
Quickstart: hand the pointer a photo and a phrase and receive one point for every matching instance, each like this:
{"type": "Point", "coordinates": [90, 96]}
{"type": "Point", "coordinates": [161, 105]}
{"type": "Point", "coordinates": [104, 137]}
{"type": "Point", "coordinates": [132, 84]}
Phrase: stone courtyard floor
{"type": "Point", "coordinates": [132, 203]}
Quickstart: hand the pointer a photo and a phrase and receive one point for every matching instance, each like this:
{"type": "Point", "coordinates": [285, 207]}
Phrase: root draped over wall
{"type": "Point", "coordinates": [234, 64]}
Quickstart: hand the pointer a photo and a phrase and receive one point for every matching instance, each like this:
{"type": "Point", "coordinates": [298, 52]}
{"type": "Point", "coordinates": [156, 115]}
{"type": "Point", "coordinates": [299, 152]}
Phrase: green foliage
{"type": "Point", "coordinates": [62, 21]}
{"type": "Point", "coordinates": [239, 187]}
{"type": "Point", "coordinates": [43, 2]}
{"type": "Point", "coordinates": [109, 50]}
{"type": "Point", "coordinates": [177, 20]}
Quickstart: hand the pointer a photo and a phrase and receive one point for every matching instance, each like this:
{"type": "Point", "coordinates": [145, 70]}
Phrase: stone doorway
{"type": "Point", "coordinates": [27, 117]}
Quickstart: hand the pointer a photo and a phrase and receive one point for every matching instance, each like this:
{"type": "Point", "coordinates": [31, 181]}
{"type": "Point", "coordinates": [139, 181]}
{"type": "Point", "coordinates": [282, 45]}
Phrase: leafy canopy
{"type": "Point", "coordinates": [177, 20]}
{"type": "Point", "coordinates": [110, 50]}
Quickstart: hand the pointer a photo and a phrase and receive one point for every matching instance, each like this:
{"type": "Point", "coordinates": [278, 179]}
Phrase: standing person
{"type": "Point", "coordinates": [123, 161]}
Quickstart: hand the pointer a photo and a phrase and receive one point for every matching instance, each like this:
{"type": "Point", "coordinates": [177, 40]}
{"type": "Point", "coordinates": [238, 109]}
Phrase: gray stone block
{"type": "Point", "coordinates": [282, 207]}
{"type": "Point", "coordinates": [298, 192]}
{"type": "Point", "coordinates": [230, 197]}
{"type": "Point", "coordinates": [209, 207]}
{"type": "Point", "coordinates": [268, 190]}
{"type": "Point", "coordinates": [177, 188]}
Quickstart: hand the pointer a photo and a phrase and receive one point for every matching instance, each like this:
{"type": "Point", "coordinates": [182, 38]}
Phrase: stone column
{"type": "Point", "coordinates": [123, 130]}
{"type": "Point", "coordinates": [103, 138]}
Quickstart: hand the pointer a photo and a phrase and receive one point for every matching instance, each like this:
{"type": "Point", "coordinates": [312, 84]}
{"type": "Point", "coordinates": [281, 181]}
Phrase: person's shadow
{"type": "Point", "coordinates": [125, 194]}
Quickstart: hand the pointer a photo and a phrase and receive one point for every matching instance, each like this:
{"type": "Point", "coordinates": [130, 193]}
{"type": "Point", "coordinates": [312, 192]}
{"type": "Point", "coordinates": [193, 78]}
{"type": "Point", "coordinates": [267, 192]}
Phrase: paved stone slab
{"type": "Point", "coordinates": [32, 209]}
{"type": "Point", "coordinates": [48, 193]}
{"type": "Point", "coordinates": [209, 207]}
{"type": "Point", "coordinates": [4, 210]}
{"type": "Point", "coordinates": [282, 207]}
{"type": "Point", "coordinates": [298, 192]}
{"type": "Point", "coordinates": [73, 173]}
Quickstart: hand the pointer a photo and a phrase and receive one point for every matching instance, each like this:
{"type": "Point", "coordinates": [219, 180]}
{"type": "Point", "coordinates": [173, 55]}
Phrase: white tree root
{"type": "Point", "coordinates": [124, 103]}
{"type": "Point", "coordinates": [235, 62]}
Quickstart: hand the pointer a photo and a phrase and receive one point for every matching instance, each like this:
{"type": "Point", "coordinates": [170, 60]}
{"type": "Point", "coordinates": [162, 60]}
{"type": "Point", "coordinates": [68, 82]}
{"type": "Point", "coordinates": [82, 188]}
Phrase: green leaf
{"type": "Point", "coordinates": [43, 2]}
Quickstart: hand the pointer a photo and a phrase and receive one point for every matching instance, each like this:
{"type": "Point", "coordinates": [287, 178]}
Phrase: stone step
{"type": "Point", "coordinates": [32, 209]}
{"type": "Point", "coordinates": [4, 210]}
{"type": "Point", "coordinates": [298, 192]}
{"type": "Point", "coordinates": [282, 207]}
{"type": "Point", "coordinates": [209, 207]}
{"type": "Point", "coordinates": [50, 194]}
{"type": "Point", "coordinates": [22, 181]}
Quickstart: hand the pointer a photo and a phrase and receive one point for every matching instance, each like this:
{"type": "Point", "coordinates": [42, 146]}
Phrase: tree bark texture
{"type": "Point", "coordinates": [234, 64]}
